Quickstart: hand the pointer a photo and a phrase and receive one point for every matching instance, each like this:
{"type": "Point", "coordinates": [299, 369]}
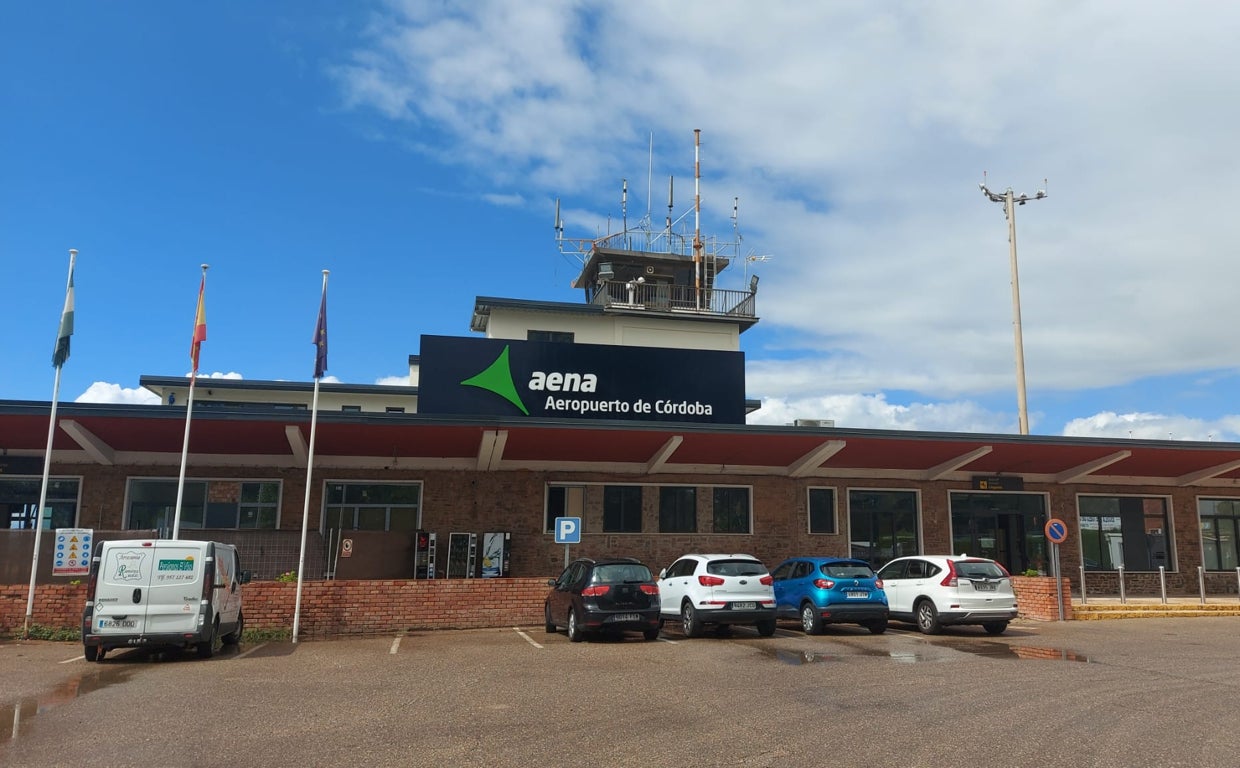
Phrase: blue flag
{"type": "Point", "coordinates": [320, 337]}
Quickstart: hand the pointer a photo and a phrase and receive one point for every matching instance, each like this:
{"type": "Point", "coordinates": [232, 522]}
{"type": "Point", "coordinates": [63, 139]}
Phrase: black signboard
{"type": "Point", "coordinates": [21, 465]}
{"type": "Point", "coordinates": [507, 377]}
{"type": "Point", "coordinates": [998, 483]}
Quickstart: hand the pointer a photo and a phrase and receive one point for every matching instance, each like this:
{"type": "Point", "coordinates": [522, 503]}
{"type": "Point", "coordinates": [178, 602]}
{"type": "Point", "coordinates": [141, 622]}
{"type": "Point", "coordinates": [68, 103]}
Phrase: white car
{"type": "Point", "coordinates": [934, 591]}
{"type": "Point", "coordinates": [717, 589]}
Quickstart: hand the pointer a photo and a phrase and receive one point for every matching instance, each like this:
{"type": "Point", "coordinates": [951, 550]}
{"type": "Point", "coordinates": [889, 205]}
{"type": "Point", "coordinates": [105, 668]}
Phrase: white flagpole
{"type": "Point", "coordinates": [47, 457]}
{"type": "Point", "coordinates": [189, 412]}
{"type": "Point", "coordinates": [320, 365]}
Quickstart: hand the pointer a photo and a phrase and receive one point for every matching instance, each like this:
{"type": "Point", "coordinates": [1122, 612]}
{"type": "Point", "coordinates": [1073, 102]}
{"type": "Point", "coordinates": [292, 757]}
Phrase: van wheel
{"type": "Point", "coordinates": [207, 648]}
{"type": "Point", "coordinates": [92, 653]}
{"type": "Point", "coordinates": [234, 637]}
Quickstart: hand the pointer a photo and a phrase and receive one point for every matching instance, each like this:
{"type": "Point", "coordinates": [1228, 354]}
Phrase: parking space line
{"type": "Point", "coordinates": [528, 639]}
{"type": "Point", "coordinates": [75, 658]}
{"type": "Point", "coordinates": [396, 643]}
{"type": "Point", "coordinates": [248, 651]}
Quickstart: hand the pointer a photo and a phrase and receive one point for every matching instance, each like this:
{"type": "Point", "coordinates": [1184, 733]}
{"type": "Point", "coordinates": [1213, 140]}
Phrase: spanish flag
{"type": "Point", "coordinates": [200, 324]}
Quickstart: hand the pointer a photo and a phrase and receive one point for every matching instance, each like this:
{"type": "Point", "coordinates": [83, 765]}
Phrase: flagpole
{"type": "Point", "coordinates": [320, 365]}
{"type": "Point", "coordinates": [62, 337]}
{"type": "Point", "coordinates": [199, 322]}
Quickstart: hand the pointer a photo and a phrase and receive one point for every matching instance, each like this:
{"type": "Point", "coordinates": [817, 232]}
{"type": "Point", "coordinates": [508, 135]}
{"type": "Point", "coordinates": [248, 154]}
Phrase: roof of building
{"type": "Point", "coordinates": [262, 436]}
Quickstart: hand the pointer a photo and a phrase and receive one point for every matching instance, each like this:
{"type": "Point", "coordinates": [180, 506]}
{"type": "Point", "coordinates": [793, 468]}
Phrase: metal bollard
{"type": "Point", "coordinates": [1201, 583]}
{"type": "Point", "coordinates": [1162, 581]}
{"type": "Point", "coordinates": [1122, 597]}
{"type": "Point", "coordinates": [1084, 600]}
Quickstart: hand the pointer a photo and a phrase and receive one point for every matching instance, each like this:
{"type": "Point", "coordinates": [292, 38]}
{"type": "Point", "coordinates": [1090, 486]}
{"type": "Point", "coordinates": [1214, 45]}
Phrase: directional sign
{"type": "Point", "coordinates": [568, 530]}
{"type": "Point", "coordinates": [1056, 530]}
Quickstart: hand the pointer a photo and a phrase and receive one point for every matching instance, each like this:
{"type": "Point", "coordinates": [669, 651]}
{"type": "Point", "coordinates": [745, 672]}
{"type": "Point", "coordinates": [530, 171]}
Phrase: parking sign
{"type": "Point", "coordinates": [568, 530]}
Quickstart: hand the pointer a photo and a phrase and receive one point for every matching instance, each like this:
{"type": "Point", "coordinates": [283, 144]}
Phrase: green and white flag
{"type": "Point", "coordinates": [66, 325]}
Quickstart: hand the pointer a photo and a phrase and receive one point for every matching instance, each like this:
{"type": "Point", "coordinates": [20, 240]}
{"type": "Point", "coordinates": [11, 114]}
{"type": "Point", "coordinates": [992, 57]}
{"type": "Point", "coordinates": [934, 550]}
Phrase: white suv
{"type": "Point", "coordinates": [717, 589]}
{"type": "Point", "coordinates": [936, 590]}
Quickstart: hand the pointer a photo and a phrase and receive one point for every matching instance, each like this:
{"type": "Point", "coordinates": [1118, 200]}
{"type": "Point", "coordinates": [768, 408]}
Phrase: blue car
{"type": "Point", "coordinates": [830, 590]}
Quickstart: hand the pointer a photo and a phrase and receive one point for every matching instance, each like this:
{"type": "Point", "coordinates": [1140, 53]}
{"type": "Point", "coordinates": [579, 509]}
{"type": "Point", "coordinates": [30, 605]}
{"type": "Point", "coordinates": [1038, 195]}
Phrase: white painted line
{"type": "Point", "coordinates": [665, 640]}
{"type": "Point", "coordinates": [528, 639]}
{"type": "Point", "coordinates": [247, 652]}
{"type": "Point", "coordinates": [75, 658]}
{"type": "Point", "coordinates": [396, 643]}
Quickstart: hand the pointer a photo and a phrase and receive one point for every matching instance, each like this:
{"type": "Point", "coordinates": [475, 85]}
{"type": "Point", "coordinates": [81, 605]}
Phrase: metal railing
{"type": "Point", "coordinates": [665, 297]}
{"type": "Point", "coordinates": [1162, 583]}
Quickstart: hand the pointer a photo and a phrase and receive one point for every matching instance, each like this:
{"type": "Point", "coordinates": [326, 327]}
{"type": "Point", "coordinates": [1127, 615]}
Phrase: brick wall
{"type": "Point", "coordinates": [329, 608]}
{"type": "Point", "coordinates": [1036, 598]}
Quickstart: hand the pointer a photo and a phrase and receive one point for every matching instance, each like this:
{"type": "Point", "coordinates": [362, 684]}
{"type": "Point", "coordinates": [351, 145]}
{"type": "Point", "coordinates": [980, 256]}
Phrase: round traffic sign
{"type": "Point", "coordinates": [1056, 530]}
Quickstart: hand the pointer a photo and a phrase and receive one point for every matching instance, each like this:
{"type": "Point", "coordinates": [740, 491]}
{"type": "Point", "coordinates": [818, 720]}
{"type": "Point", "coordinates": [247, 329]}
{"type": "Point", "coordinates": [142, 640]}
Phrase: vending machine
{"type": "Point", "coordinates": [424, 555]}
{"type": "Point", "coordinates": [462, 555]}
{"type": "Point", "coordinates": [495, 554]}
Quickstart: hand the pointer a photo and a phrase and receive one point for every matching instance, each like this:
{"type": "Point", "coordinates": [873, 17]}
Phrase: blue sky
{"type": "Point", "coordinates": [416, 151]}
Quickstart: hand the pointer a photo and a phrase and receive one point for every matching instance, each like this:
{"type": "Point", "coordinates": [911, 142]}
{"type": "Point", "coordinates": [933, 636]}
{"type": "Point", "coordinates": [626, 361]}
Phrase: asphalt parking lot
{"type": "Point", "coordinates": [1151, 692]}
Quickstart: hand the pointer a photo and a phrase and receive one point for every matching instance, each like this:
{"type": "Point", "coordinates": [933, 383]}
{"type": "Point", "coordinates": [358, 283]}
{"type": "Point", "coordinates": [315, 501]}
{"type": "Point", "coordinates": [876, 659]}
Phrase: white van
{"type": "Point", "coordinates": [163, 592]}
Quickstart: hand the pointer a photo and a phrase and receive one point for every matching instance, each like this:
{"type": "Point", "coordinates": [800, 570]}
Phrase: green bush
{"type": "Point", "coordinates": [40, 632]}
{"type": "Point", "coordinates": [288, 576]}
{"type": "Point", "coordinates": [266, 635]}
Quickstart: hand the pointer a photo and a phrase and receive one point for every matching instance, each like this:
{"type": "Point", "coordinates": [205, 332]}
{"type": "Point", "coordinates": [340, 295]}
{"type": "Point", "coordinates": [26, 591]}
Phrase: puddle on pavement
{"type": "Point", "coordinates": [936, 652]}
{"type": "Point", "coordinates": [21, 715]}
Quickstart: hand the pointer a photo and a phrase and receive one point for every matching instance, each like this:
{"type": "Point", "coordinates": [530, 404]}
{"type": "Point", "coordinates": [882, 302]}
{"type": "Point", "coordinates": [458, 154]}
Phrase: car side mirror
{"type": "Point", "coordinates": [663, 574]}
{"type": "Point", "coordinates": [550, 582]}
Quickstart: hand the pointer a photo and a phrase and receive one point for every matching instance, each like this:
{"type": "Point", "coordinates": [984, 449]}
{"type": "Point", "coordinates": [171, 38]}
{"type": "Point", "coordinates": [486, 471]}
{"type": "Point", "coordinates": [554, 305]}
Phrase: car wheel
{"type": "Point", "coordinates": [234, 637]}
{"type": "Point", "coordinates": [995, 627]}
{"type": "Point", "coordinates": [92, 653]}
{"type": "Point", "coordinates": [689, 621]}
{"type": "Point", "coordinates": [766, 627]}
{"type": "Point", "coordinates": [928, 618]}
{"type": "Point", "coordinates": [811, 622]}
{"type": "Point", "coordinates": [651, 634]}
{"type": "Point", "coordinates": [575, 632]}
{"type": "Point", "coordinates": [877, 626]}
{"type": "Point", "coordinates": [548, 624]}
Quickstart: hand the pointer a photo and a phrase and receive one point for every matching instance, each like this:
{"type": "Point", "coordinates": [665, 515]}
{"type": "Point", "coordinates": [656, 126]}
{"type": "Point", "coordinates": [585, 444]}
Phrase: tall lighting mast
{"type": "Point", "coordinates": [1009, 201]}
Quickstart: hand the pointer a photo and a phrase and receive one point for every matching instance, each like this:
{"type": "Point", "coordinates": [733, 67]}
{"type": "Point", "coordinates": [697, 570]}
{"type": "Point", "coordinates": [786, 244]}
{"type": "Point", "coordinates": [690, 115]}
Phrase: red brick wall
{"type": "Point", "coordinates": [329, 608]}
{"type": "Point", "coordinates": [1036, 598]}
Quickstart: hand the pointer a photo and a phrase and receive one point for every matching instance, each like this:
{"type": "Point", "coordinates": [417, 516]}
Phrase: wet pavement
{"type": "Point", "coordinates": [1114, 693]}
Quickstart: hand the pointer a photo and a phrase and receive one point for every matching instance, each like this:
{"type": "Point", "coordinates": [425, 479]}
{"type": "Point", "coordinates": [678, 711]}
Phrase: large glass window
{"type": "Point", "coordinates": [204, 504]}
{"type": "Point", "coordinates": [677, 509]}
{"type": "Point", "coordinates": [731, 510]}
{"type": "Point", "coordinates": [1124, 530]}
{"type": "Point", "coordinates": [19, 501]}
{"type": "Point", "coordinates": [563, 501]}
{"type": "Point", "coordinates": [622, 509]}
{"type": "Point", "coordinates": [373, 506]}
{"type": "Point", "coordinates": [1220, 522]}
{"type": "Point", "coordinates": [882, 525]}
{"type": "Point", "coordinates": [1006, 527]}
{"type": "Point", "coordinates": [822, 510]}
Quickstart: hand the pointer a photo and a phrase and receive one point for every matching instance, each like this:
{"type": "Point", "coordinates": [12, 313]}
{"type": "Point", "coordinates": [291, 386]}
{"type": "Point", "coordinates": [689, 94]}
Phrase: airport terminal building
{"type": "Point", "coordinates": [627, 411]}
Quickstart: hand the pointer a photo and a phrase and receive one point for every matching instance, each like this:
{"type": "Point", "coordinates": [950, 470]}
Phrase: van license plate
{"type": "Point", "coordinates": [118, 623]}
{"type": "Point", "coordinates": [744, 606]}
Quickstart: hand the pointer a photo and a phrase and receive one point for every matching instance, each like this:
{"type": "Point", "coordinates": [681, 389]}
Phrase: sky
{"type": "Point", "coordinates": [416, 150]}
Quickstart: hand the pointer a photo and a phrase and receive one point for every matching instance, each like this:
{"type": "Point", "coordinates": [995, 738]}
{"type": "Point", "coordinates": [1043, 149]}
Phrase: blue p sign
{"type": "Point", "coordinates": [568, 530]}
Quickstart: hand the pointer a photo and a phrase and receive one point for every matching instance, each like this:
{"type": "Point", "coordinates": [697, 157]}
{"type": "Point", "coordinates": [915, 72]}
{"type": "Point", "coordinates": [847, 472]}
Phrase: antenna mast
{"type": "Point", "coordinates": [697, 216]}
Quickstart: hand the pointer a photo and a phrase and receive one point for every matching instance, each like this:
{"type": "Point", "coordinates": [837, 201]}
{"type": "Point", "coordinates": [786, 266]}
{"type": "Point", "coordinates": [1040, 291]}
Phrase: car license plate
{"type": "Point", "coordinates": [856, 595]}
{"type": "Point", "coordinates": [118, 624]}
{"type": "Point", "coordinates": [744, 606]}
{"type": "Point", "coordinates": [626, 617]}
{"type": "Point", "coordinates": [983, 586]}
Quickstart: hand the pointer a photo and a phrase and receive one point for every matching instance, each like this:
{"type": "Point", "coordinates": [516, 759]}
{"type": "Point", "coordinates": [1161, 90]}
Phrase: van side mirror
{"type": "Point", "coordinates": [245, 577]}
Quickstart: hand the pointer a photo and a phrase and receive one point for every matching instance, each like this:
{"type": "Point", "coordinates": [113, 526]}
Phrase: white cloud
{"type": "Point", "coordinates": [874, 412]}
{"type": "Point", "coordinates": [394, 381]}
{"type": "Point", "coordinates": [106, 392]}
{"type": "Point", "coordinates": [1153, 426]}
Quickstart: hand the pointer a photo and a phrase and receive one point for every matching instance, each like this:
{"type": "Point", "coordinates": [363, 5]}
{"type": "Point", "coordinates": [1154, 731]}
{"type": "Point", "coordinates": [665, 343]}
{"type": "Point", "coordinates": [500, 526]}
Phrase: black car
{"type": "Point", "coordinates": [608, 595]}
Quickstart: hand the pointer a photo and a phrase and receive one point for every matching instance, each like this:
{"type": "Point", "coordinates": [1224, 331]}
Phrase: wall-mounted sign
{"type": "Point", "coordinates": [21, 465]}
{"type": "Point", "coordinates": [506, 377]}
{"type": "Point", "coordinates": [998, 483]}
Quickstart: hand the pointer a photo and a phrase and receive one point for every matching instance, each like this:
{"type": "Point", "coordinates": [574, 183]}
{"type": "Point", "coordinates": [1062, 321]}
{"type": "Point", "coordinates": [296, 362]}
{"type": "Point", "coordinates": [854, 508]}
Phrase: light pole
{"type": "Point", "coordinates": [1008, 198]}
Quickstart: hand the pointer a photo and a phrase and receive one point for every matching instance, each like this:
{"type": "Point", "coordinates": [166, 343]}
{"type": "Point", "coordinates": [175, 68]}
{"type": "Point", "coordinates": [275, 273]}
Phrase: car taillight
{"type": "Point", "coordinates": [649, 589]}
{"type": "Point", "coordinates": [596, 590]}
{"type": "Point", "coordinates": [950, 579]}
{"type": "Point", "coordinates": [878, 583]}
{"type": "Point", "coordinates": [766, 580]}
{"type": "Point", "coordinates": [824, 583]}
{"type": "Point", "coordinates": [710, 581]}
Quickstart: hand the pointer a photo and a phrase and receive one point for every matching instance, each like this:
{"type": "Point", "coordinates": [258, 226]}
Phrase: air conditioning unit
{"type": "Point", "coordinates": [814, 423]}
